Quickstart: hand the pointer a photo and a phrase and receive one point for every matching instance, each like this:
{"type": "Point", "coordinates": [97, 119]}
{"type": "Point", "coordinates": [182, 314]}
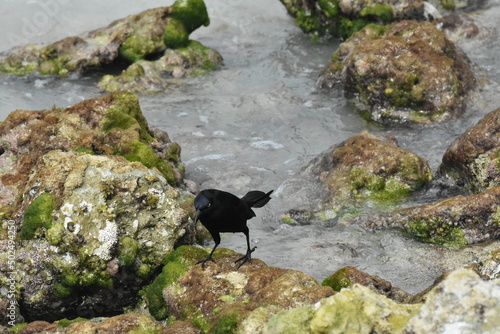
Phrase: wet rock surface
{"type": "Point", "coordinates": [363, 168]}
{"type": "Point", "coordinates": [471, 162]}
{"type": "Point", "coordinates": [136, 40]}
{"type": "Point", "coordinates": [344, 17]}
{"type": "Point", "coordinates": [455, 221]}
{"type": "Point", "coordinates": [393, 74]}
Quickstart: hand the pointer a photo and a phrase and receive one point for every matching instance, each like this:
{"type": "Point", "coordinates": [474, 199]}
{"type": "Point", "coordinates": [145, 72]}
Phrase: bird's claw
{"type": "Point", "coordinates": [205, 261]}
{"type": "Point", "coordinates": [245, 258]}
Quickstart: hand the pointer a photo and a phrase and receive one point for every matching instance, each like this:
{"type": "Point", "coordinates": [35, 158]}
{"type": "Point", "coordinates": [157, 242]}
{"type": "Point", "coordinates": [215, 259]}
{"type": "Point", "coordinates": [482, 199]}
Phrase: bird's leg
{"type": "Point", "coordinates": [216, 238]}
{"type": "Point", "coordinates": [248, 256]}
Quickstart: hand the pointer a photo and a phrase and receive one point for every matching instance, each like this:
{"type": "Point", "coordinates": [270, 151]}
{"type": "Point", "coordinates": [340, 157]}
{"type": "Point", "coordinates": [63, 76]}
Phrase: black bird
{"type": "Point", "coordinates": [220, 211]}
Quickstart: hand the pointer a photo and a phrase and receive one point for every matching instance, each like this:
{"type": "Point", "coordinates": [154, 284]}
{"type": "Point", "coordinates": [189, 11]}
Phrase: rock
{"type": "Point", "coordinates": [344, 17]}
{"type": "Point", "coordinates": [393, 74]}
{"type": "Point", "coordinates": [348, 276]}
{"type": "Point", "coordinates": [219, 298]}
{"type": "Point", "coordinates": [111, 223]}
{"type": "Point", "coordinates": [134, 39]}
{"type": "Point", "coordinates": [124, 323]}
{"type": "Point", "coordinates": [149, 76]}
{"type": "Point", "coordinates": [455, 221]}
{"type": "Point", "coordinates": [353, 310]}
{"type": "Point", "coordinates": [472, 161]}
{"type": "Point", "coordinates": [462, 303]}
{"type": "Point", "coordinates": [360, 169]}
{"type": "Point", "coordinates": [85, 229]}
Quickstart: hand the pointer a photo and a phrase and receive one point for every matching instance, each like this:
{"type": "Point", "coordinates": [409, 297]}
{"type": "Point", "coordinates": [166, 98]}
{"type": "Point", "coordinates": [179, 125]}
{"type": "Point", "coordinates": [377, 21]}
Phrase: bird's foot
{"type": "Point", "coordinates": [245, 258]}
{"type": "Point", "coordinates": [209, 258]}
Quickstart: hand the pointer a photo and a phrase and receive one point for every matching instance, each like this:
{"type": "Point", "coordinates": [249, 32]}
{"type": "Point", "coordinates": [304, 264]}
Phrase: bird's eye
{"type": "Point", "coordinates": [209, 205]}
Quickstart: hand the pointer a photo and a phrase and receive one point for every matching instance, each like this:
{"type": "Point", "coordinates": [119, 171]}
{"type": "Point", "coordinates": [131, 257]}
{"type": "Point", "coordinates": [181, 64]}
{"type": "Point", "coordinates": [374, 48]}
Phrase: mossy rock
{"type": "Point", "coordinates": [37, 215]}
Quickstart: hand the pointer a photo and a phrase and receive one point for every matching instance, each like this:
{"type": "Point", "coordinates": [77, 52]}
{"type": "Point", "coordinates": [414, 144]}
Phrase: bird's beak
{"type": "Point", "coordinates": [196, 216]}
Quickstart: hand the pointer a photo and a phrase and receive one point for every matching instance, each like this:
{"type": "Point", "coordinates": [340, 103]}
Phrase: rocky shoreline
{"type": "Point", "coordinates": [96, 231]}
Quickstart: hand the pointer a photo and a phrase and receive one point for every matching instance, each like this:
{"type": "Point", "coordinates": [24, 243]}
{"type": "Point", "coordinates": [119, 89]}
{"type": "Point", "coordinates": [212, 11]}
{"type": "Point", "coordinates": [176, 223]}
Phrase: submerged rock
{"type": "Point", "coordinates": [472, 161]}
{"type": "Point", "coordinates": [455, 221]}
{"type": "Point", "coordinates": [136, 39]}
{"type": "Point", "coordinates": [405, 72]}
{"type": "Point", "coordinates": [360, 169]}
{"type": "Point", "coordinates": [344, 17]}
{"type": "Point", "coordinates": [222, 300]}
{"type": "Point", "coordinates": [462, 303]}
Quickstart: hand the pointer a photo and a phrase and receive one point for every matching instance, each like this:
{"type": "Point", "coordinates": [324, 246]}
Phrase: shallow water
{"type": "Point", "coordinates": [258, 119]}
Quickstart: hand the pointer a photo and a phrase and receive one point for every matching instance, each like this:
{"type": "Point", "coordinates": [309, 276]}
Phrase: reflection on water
{"type": "Point", "coordinates": [257, 120]}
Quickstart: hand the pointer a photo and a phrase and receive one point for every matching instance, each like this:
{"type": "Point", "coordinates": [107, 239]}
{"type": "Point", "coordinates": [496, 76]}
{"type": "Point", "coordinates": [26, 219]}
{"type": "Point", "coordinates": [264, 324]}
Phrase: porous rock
{"type": "Point", "coordinates": [461, 303]}
{"type": "Point", "coordinates": [219, 298]}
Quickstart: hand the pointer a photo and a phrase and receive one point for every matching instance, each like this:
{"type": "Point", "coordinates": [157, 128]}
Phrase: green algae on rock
{"type": "Point", "coordinates": [472, 161]}
{"type": "Point", "coordinates": [107, 125]}
{"type": "Point", "coordinates": [348, 276]}
{"type": "Point", "coordinates": [456, 221]}
{"type": "Point", "coordinates": [149, 76]}
{"type": "Point", "coordinates": [404, 72]}
{"type": "Point", "coordinates": [91, 250]}
{"type": "Point", "coordinates": [219, 299]}
{"type": "Point", "coordinates": [342, 18]}
{"type": "Point", "coordinates": [364, 168]}
{"type": "Point", "coordinates": [134, 39]}
{"type": "Point", "coordinates": [93, 225]}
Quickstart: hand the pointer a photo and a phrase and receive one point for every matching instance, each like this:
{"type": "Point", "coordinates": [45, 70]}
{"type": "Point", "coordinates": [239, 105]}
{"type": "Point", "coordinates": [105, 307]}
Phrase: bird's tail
{"type": "Point", "coordinates": [256, 198]}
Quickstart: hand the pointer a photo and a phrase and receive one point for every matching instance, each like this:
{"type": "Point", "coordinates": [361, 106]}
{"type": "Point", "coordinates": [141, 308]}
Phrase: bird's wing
{"type": "Point", "coordinates": [256, 198]}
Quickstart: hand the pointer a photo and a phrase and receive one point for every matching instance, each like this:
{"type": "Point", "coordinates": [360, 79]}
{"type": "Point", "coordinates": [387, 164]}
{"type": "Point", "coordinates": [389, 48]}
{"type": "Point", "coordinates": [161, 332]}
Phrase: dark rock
{"type": "Point", "coordinates": [472, 160]}
{"type": "Point", "coordinates": [344, 17]}
{"type": "Point", "coordinates": [405, 72]}
{"type": "Point", "coordinates": [455, 221]}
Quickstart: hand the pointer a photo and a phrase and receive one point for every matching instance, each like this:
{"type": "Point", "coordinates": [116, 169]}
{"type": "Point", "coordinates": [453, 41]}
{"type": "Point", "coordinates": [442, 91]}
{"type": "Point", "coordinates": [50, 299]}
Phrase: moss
{"type": "Point", "coordinates": [192, 13]}
{"type": "Point", "coordinates": [143, 153]}
{"type": "Point", "coordinates": [143, 271]}
{"type": "Point", "coordinates": [67, 322]}
{"type": "Point", "coordinates": [175, 35]}
{"type": "Point", "coordinates": [436, 230]}
{"type": "Point", "coordinates": [126, 114]}
{"type": "Point", "coordinates": [176, 264]}
{"type": "Point", "coordinates": [330, 8]}
{"type": "Point", "coordinates": [382, 11]}
{"type": "Point", "coordinates": [307, 21]}
{"type": "Point", "coordinates": [338, 280]}
{"type": "Point", "coordinates": [495, 217]}
{"type": "Point", "coordinates": [227, 324]}
{"type": "Point", "coordinates": [38, 214]}
{"type": "Point", "coordinates": [62, 290]}
{"type": "Point", "coordinates": [348, 27]}
{"type": "Point", "coordinates": [128, 249]}
{"type": "Point", "coordinates": [137, 47]}
{"type": "Point", "coordinates": [199, 55]}
{"type": "Point", "coordinates": [448, 4]}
